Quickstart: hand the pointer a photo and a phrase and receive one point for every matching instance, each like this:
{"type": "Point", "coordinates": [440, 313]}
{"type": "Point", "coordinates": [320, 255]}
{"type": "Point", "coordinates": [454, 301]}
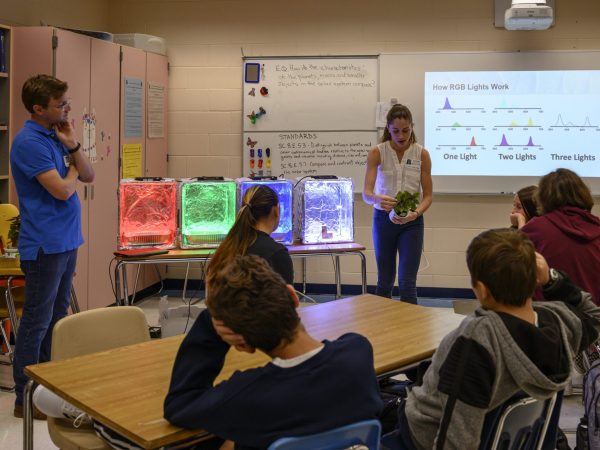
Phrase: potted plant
{"type": "Point", "coordinates": [13, 231]}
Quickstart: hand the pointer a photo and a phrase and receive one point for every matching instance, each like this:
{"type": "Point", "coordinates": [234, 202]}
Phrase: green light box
{"type": "Point", "coordinates": [208, 210]}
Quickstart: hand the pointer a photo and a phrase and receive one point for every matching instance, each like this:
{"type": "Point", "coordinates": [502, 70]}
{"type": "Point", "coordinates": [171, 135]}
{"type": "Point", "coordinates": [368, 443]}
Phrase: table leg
{"type": "Point", "coordinates": [118, 284]}
{"type": "Point", "coordinates": [304, 276]}
{"type": "Point", "coordinates": [338, 278]}
{"type": "Point", "coordinates": [28, 416]}
{"type": "Point", "coordinates": [185, 282]}
{"type": "Point", "coordinates": [363, 271]}
{"type": "Point", "coordinates": [125, 285]}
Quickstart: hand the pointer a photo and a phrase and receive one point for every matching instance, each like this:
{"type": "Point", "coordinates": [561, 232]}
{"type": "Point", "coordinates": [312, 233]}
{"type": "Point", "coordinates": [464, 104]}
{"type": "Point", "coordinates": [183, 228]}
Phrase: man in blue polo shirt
{"type": "Point", "coordinates": [46, 164]}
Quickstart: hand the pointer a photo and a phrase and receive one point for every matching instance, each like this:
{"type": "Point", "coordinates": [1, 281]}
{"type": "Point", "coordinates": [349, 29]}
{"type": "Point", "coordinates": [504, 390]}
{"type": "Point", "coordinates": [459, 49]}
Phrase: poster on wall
{"type": "Point", "coordinates": [134, 107]}
{"type": "Point", "coordinates": [156, 110]}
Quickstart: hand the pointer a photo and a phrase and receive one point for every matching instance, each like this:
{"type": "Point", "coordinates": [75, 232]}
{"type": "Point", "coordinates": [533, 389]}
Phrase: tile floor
{"type": "Point", "coordinates": [11, 429]}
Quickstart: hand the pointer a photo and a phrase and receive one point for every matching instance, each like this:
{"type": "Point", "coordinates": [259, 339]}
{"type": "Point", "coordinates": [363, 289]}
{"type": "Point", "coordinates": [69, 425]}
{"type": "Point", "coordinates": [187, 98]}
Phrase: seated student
{"type": "Point", "coordinates": [250, 235]}
{"type": "Point", "coordinates": [524, 207]}
{"type": "Point", "coordinates": [567, 233]}
{"type": "Point", "coordinates": [508, 345]}
{"type": "Point", "coordinates": [308, 387]}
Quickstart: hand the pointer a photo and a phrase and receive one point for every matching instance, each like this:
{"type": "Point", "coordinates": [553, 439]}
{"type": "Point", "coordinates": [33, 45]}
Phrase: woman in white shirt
{"type": "Point", "coordinates": [398, 164]}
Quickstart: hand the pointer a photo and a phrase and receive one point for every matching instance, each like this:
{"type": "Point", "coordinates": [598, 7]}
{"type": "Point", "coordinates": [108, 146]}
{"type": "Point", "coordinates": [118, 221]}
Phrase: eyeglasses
{"type": "Point", "coordinates": [62, 105]}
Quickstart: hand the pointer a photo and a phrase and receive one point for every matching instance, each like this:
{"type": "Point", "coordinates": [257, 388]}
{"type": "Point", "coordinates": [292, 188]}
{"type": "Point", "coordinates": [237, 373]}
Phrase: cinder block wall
{"type": "Point", "coordinates": [206, 39]}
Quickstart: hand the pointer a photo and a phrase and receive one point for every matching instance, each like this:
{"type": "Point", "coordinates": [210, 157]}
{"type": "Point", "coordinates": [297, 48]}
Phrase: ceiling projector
{"type": "Point", "coordinates": [528, 15]}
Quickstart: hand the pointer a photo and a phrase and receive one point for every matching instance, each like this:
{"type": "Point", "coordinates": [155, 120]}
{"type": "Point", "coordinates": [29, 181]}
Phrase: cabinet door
{"type": "Point", "coordinates": [31, 55]}
{"type": "Point", "coordinates": [133, 68]}
{"type": "Point", "coordinates": [72, 64]}
{"type": "Point", "coordinates": [157, 76]}
{"type": "Point", "coordinates": [103, 209]}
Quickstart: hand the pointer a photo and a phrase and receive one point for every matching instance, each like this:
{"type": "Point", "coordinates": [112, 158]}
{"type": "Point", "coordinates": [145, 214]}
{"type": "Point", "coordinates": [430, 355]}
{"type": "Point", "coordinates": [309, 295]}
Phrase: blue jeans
{"type": "Point", "coordinates": [48, 282]}
{"type": "Point", "coordinates": [405, 240]}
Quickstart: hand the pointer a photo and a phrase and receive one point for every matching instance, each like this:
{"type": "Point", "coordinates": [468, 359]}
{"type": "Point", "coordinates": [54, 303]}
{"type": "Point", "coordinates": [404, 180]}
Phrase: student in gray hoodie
{"type": "Point", "coordinates": [509, 344]}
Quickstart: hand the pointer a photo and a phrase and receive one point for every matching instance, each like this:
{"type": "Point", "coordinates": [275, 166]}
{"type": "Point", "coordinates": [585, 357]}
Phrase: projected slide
{"type": "Point", "coordinates": [513, 123]}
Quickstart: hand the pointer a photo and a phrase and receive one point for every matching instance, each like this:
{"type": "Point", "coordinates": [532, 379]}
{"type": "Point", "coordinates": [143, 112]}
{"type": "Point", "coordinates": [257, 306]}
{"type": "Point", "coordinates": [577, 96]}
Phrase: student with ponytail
{"type": "Point", "coordinates": [250, 235]}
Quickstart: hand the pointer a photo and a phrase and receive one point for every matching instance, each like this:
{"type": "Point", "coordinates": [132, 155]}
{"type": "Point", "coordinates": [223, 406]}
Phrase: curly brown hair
{"type": "Point", "coordinates": [254, 301]}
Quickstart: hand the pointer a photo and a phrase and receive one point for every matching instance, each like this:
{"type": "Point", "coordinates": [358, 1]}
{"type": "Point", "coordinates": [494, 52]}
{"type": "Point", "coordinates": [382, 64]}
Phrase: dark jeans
{"type": "Point", "coordinates": [405, 240]}
{"type": "Point", "coordinates": [48, 282]}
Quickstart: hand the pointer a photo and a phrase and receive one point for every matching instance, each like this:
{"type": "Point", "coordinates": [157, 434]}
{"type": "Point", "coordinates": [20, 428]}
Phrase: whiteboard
{"type": "Point", "coordinates": [315, 115]}
{"type": "Point", "coordinates": [294, 154]}
{"type": "Point", "coordinates": [494, 122]}
{"type": "Point", "coordinates": [312, 94]}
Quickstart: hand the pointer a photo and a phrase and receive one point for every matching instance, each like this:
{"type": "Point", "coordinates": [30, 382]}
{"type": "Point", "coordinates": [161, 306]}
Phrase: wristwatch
{"type": "Point", "coordinates": [553, 277]}
{"type": "Point", "coordinates": [76, 149]}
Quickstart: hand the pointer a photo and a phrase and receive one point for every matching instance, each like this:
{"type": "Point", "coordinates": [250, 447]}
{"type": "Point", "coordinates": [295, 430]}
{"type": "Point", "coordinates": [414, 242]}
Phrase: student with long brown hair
{"type": "Point", "coordinates": [399, 163]}
{"type": "Point", "coordinates": [250, 235]}
{"type": "Point", "coordinates": [524, 206]}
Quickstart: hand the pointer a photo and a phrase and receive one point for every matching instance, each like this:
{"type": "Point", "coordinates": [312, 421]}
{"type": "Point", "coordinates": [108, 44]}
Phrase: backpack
{"type": "Point", "coordinates": [590, 423]}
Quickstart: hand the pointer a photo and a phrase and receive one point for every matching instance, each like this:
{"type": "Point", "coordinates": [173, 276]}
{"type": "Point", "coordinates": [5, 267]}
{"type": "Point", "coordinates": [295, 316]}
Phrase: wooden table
{"type": "Point", "coordinates": [125, 388]}
{"type": "Point", "coordinates": [203, 255]}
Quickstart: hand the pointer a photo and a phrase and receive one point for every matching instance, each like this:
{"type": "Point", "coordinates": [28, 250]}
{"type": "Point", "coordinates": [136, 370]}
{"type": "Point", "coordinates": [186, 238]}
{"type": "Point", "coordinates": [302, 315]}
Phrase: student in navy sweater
{"type": "Point", "coordinates": [308, 387]}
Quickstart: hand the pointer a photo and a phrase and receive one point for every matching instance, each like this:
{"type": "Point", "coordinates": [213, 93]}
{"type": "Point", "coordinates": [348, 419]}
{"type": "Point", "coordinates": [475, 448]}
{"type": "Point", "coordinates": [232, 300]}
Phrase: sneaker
{"type": "Point", "coordinates": [37, 414]}
{"type": "Point", "coordinates": [78, 416]}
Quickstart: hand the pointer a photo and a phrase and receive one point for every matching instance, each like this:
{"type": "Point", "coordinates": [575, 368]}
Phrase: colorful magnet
{"type": "Point", "coordinates": [250, 142]}
{"type": "Point", "coordinates": [252, 117]}
{"type": "Point", "coordinates": [261, 112]}
{"type": "Point", "coordinates": [252, 92]}
{"type": "Point", "coordinates": [268, 152]}
{"type": "Point", "coordinates": [252, 164]}
{"type": "Point", "coordinates": [260, 163]}
{"type": "Point", "coordinates": [264, 91]}
{"type": "Point", "coordinates": [260, 152]}
{"type": "Point", "coordinates": [251, 153]}
{"type": "Point", "coordinates": [268, 164]}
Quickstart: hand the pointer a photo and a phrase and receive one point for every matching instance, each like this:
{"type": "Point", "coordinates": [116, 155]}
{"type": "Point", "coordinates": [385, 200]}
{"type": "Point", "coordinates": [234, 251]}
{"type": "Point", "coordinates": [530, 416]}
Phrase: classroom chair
{"type": "Point", "coordinates": [88, 332]}
{"type": "Point", "coordinates": [10, 311]}
{"type": "Point", "coordinates": [360, 435]}
{"type": "Point", "coordinates": [520, 423]}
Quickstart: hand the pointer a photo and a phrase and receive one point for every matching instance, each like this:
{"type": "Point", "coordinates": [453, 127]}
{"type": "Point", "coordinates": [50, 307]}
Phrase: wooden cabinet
{"type": "Point", "coordinates": [96, 71]}
{"type": "Point", "coordinates": [151, 70]}
{"type": "Point", "coordinates": [91, 69]}
{"type": "Point", "coordinates": [5, 92]}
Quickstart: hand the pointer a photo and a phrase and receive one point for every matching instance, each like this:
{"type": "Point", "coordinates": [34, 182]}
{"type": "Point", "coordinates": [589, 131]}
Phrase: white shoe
{"type": "Point", "coordinates": [54, 406]}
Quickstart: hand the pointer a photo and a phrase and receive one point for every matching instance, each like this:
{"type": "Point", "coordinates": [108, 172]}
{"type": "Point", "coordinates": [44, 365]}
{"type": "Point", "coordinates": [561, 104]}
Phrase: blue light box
{"type": "Point", "coordinates": [283, 189]}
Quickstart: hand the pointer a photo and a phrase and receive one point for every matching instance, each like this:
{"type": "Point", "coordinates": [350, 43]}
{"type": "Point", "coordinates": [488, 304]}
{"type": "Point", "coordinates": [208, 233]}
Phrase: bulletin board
{"type": "Point", "coordinates": [309, 116]}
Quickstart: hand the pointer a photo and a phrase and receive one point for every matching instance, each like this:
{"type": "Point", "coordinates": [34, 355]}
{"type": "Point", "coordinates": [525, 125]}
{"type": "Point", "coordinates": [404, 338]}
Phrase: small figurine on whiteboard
{"type": "Point", "coordinates": [250, 142]}
{"type": "Point", "coordinates": [261, 112]}
{"type": "Point", "coordinates": [252, 117]}
{"type": "Point", "coordinates": [252, 92]}
{"type": "Point", "coordinates": [264, 91]}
